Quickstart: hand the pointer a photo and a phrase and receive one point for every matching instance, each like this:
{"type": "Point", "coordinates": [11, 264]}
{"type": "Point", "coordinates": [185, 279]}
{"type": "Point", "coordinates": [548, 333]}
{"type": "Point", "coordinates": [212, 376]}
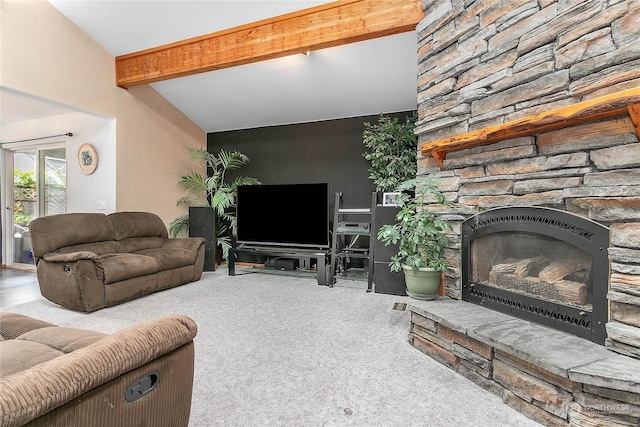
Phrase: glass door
{"type": "Point", "coordinates": [39, 189]}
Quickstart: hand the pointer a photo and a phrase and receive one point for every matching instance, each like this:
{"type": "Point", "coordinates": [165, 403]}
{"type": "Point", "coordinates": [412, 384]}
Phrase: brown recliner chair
{"type": "Point", "coordinates": [55, 376]}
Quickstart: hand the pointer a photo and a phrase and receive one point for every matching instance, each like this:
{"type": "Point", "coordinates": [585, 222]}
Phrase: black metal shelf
{"type": "Point", "coordinates": [345, 234]}
{"type": "Point", "coordinates": [295, 253]}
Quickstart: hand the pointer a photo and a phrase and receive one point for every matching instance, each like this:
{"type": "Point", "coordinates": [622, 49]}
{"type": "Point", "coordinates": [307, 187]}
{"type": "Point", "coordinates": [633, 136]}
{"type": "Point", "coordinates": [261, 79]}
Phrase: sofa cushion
{"type": "Point", "coordinates": [13, 325]}
{"type": "Point", "coordinates": [116, 267]}
{"type": "Point", "coordinates": [192, 243]}
{"type": "Point", "coordinates": [135, 244]}
{"type": "Point", "coordinates": [28, 342]}
{"type": "Point", "coordinates": [98, 248]}
{"type": "Point", "coordinates": [168, 259]}
{"type": "Point", "coordinates": [137, 224]}
{"type": "Point", "coordinates": [17, 355]}
{"type": "Point", "coordinates": [41, 345]}
{"type": "Point", "coordinates": [62, 339]}
{"type": "Point", "coordinates": [52, 232]}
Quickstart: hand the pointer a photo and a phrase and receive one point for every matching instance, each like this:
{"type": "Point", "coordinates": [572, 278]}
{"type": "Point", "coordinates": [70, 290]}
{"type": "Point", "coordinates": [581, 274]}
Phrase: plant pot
{"type": "Point", "coordinates": [422, 283]}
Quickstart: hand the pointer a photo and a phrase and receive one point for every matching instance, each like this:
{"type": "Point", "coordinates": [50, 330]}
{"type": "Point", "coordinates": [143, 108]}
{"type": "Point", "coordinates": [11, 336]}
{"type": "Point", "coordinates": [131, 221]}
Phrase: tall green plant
{"type": "Point", "coordinates": [212, 190]}
{"type": "Point", "coordinates": [420, 232]}
{"type": "Point", "coordinates": [24, 184]}
{"type": "Point", "coordinates": [392, 151]}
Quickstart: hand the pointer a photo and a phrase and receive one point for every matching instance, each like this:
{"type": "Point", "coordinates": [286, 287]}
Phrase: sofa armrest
{"type": "Point", "coordinates": [191, 243]}
{"type": "Point", "coordinates": [69, 257]}
{"type": "Point", "coordinates": [30, 393]}
{"type": "Point", "coordinates": [78, 285]}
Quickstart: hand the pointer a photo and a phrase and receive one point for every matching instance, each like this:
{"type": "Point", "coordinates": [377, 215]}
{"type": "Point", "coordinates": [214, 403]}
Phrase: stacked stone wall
{"type": "Point", "coordinates": [487, 62]}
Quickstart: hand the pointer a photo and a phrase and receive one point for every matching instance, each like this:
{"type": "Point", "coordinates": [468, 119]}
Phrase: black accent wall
{"type": "Point", "coordinates": [327, 151]}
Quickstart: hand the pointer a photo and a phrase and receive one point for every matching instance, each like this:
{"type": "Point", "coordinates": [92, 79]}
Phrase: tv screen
{"type": "Point", "coordinates": [284, 214]}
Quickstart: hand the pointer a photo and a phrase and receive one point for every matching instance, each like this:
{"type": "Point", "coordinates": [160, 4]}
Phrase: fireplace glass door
{"type": "Point", "coordinates": [535, 265]}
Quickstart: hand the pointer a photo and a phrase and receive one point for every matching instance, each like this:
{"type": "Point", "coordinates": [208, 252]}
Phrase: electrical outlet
{"type": "Point", "coordinates": [102, 205]}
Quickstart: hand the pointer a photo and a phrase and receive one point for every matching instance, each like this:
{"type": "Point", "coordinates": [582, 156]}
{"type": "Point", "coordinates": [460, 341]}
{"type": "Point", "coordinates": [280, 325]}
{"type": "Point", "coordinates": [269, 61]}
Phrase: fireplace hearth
{"type": "Point", "coordinates": [539, 264]}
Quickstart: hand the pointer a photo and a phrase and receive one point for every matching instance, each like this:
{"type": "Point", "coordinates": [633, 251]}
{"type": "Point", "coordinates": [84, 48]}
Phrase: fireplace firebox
{"type": "Point", "coordinates": [540, 264]}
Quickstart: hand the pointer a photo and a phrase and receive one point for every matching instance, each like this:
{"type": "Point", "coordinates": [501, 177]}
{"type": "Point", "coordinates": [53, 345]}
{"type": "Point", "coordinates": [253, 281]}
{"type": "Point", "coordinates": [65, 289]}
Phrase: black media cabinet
{"type": "Point", "coordinates": [285, 253]}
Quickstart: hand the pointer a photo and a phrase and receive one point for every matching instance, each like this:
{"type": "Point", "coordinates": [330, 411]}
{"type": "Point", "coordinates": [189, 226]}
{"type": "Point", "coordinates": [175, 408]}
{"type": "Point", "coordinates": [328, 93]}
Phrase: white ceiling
{"type": "Point", "coordinates": [364, 78]}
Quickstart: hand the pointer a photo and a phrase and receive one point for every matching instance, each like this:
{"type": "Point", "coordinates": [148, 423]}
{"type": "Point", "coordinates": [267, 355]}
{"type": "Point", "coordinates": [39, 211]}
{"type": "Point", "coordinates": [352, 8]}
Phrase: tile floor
{"type": "Point", "coordinates": [17, 286]}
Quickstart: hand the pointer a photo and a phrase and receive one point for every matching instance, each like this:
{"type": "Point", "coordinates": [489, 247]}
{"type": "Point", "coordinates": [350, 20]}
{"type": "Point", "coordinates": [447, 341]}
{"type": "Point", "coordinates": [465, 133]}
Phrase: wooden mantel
{"type": "Point", "coordinates": [328, 25]}
{"type": "Point", "coordinates": [621, 103]}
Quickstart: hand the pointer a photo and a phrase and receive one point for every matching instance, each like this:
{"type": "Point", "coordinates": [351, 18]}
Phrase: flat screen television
{"type": "Point", "coordinates": [295, 215]}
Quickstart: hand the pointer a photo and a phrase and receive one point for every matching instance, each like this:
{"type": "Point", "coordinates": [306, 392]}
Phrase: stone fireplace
{"type": "Point", "coordinates": [529, 116]}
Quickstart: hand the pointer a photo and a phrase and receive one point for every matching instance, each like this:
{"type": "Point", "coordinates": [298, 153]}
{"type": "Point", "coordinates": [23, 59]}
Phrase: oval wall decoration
{"type": "Point", "coordinates": [87, 159]}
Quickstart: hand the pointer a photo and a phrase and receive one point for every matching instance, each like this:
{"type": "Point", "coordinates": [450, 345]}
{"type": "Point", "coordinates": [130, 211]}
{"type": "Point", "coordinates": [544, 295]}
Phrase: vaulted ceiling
{"type": "Point", "coordinates": [362, 59]}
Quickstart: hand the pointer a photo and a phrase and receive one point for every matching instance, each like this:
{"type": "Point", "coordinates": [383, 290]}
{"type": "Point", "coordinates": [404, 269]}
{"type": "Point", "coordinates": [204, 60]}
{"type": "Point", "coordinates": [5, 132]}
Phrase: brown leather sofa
{"type": "Point", "coordinates": [56, 376]}
{"type": "Point", "coordinates": [88, 261]}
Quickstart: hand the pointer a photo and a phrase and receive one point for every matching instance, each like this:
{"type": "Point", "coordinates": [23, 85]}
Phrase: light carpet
{"type": "Point", "coordinates": [283, 351]}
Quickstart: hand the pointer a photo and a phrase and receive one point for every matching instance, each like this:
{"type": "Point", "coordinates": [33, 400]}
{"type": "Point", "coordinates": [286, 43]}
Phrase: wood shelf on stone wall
{"type": "Point", "coordinates": [621, 103]}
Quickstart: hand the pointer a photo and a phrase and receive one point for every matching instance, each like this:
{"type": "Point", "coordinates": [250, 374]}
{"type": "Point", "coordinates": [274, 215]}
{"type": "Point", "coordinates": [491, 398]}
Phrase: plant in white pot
{"type": "Point", "coordinates": [420, 234]}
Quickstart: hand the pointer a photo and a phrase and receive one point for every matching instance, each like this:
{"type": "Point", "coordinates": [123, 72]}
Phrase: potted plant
{"type": "Point", "coordinates": [392, 151]}
{"type": "Point", "coordinates": [391, 148]}
{"type": "Point", "coordinates": [213, 192]}
{"type": "Point", "coordinates": [420, 234]}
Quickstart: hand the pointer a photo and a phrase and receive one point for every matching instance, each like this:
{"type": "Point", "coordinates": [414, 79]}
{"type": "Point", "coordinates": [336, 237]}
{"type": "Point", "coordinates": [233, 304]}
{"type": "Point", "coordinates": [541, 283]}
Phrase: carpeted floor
{"type": "Point", "coordinates": [283, 351]}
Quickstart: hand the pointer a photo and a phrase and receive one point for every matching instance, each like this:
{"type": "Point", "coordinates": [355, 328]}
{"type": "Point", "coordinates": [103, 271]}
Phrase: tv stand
{"type": "Point", "coordinates": [293, 253]}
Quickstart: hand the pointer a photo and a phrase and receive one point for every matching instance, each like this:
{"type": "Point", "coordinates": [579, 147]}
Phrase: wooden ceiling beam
{"type": "Point", "coordinates": [332, 24]}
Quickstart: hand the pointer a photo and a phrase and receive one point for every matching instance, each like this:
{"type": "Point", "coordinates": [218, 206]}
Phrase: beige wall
{"type": "Point", "coordinates": [150, 154]}
{"type": "Point", "coordinates": [47, 56]}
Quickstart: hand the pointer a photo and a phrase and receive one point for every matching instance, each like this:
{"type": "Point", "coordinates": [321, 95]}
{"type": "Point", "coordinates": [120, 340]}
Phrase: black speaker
{"type": "Point", "coordinates": [202, 223]}
{"type": "Point", "coordinates": [387, 281]}
{"type": "Point", "coordinates": [383, 215]}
